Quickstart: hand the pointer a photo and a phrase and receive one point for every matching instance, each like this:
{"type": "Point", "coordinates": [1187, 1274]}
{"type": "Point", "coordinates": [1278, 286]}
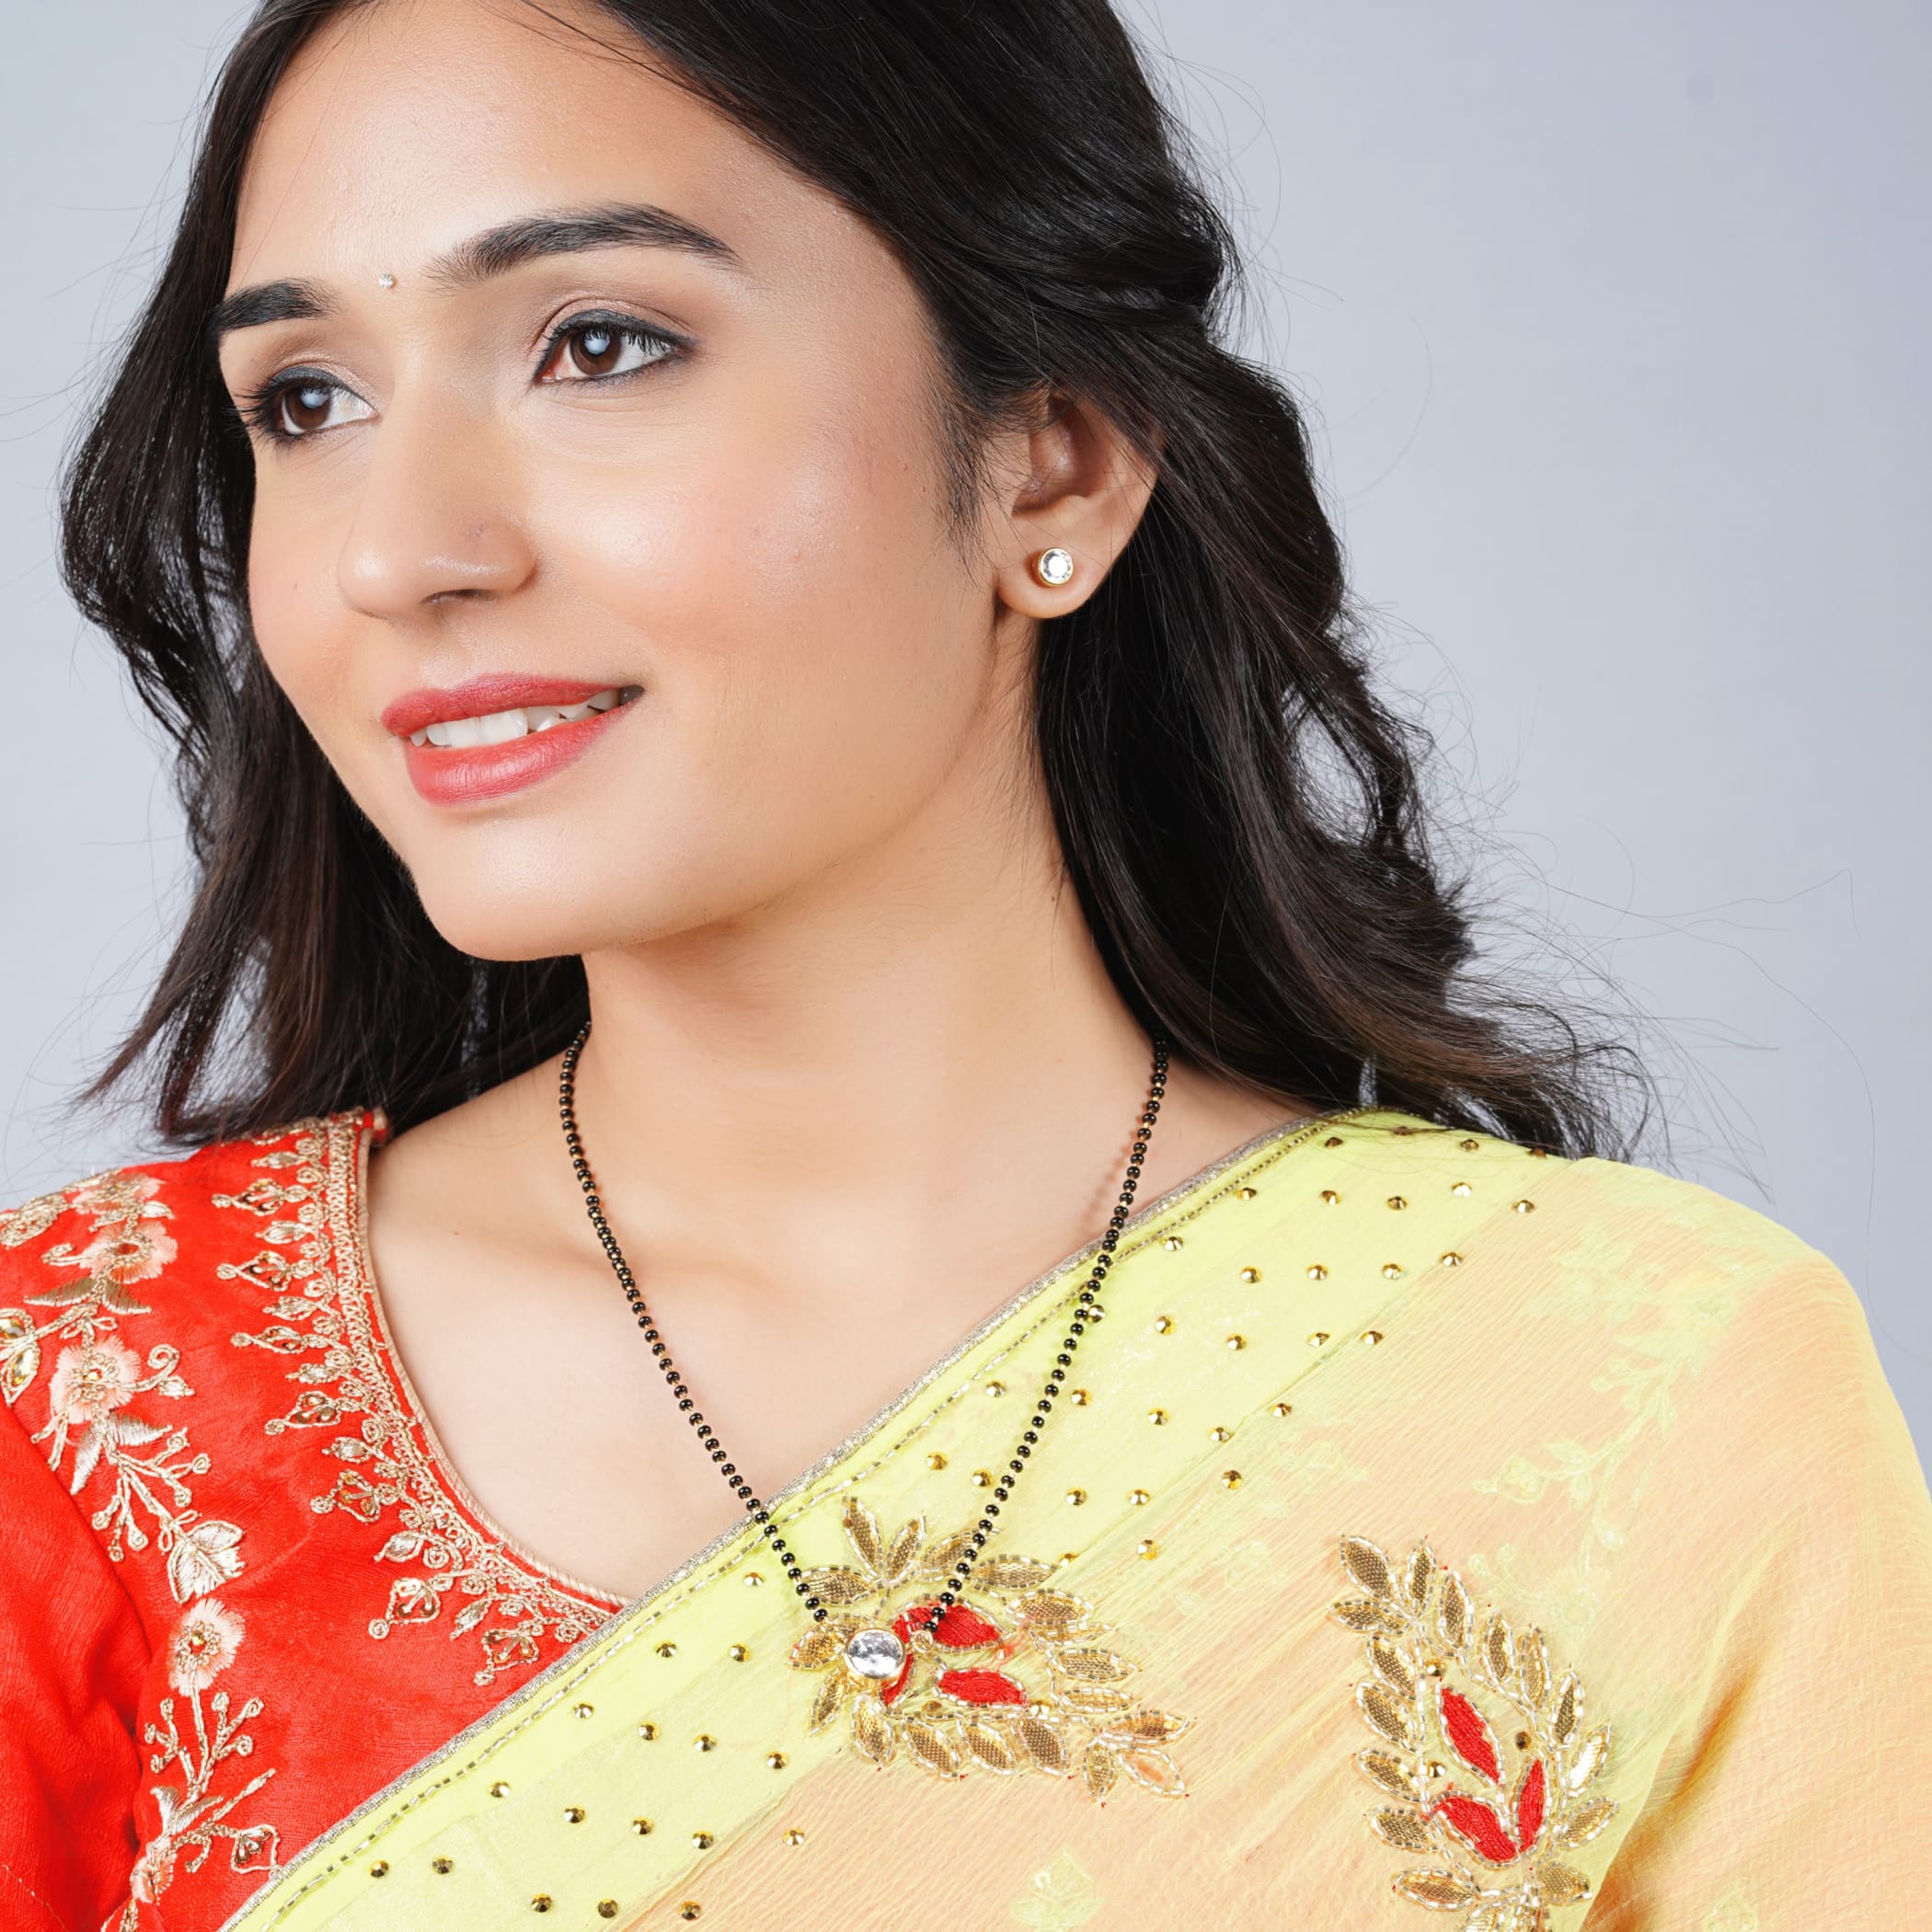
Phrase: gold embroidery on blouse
{"type": "Point", "coordinates": [193, 1814]}
{"type": "Point", "coordinates": [1491, 1809]}
{"type": "Point", "coordinates": [97, 1377]}
{"type": "Point", "coordinates": [324, 1309]}
{"type": "Point", "coordinates": [959, 1701]}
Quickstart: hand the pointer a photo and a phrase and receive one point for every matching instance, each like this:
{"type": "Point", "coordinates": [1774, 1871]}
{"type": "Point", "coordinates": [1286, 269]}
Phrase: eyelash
{"type": "Point", "coordinates": [260, 409]}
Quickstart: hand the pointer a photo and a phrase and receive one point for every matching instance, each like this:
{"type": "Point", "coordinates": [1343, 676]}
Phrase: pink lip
{"type": "Point", "coordinates": [448, 774]}
{"type": "Point", "coordinates": [479, 696]}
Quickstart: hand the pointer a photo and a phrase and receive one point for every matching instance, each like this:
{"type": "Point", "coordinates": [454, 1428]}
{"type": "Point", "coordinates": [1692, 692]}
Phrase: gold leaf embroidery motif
{"type": "Point", "coordinates": [350, 1408]}
{"type": "Point", "coordinates": [194, 1814]}
{"type": "Point", "coordinates": [962, 1700]}
{"type": "Point", "coordinates": [92, 1390]}
{"type": "Point", "coordinates": [1489, 1823]}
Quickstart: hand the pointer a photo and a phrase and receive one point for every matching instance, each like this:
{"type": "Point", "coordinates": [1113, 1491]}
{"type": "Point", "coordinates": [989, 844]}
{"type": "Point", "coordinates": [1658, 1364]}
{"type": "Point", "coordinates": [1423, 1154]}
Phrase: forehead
{"type": "Point", "coordinates": [407, 125]}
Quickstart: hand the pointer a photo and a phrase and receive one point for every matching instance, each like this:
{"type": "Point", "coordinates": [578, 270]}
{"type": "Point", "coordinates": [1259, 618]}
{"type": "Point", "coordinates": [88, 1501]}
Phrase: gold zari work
{"type": "Point", "coordinates": [964, 1699]}
{"type": "Point", "coordinates": [1494, 1816]}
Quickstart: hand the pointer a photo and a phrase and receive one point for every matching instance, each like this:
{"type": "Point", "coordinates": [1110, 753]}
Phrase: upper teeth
{"type": "Point", "coordinates": [501, 727]}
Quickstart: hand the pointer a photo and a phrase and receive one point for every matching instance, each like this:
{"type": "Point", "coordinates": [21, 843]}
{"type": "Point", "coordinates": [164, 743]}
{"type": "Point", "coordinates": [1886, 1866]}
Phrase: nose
{"type": "Point", "coordinates": [434, 522]}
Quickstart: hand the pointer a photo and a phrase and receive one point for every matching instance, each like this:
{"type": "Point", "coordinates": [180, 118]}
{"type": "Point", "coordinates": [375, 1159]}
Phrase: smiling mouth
{"type": "Point", "coordinates": [525, 720]}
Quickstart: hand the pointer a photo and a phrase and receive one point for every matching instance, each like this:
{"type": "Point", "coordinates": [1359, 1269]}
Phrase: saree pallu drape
{"type": "Point", "coordinates": [1428, 1525]}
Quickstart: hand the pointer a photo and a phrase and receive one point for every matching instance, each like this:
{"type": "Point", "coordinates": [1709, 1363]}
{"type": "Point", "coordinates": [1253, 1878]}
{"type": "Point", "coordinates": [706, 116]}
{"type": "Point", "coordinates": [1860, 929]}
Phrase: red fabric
{"type": "Point", "coordinates": [1469, 1732]}
{"type": "Point", "coordinates": [171, 1394]}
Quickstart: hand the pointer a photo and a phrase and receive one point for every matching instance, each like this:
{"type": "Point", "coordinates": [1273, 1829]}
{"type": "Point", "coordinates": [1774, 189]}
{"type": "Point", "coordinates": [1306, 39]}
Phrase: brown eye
{"type": "Point", "coordinates": [589, 349]}
{"type": "Point", "coordinates": [305, 407]}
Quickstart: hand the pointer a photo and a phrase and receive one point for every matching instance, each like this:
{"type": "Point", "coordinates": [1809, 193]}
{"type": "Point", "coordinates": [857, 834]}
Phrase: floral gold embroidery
{"type": "Point", "coordinates": [97, 1377]}
{"type": "Point", "coordinates": [1494, 1824]}
{"type": "Point", "coordinates": [193, 1814]}
{"type": "Point", "coordinates": [352, 1408]}
{"type": "Point", "coordinates": [960, 1699]}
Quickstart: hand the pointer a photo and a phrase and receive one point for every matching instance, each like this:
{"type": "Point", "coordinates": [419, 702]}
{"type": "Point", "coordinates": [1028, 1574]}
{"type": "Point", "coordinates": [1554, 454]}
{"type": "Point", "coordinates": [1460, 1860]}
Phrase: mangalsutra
{"type": "Point", "coordinates": [872, 1652]}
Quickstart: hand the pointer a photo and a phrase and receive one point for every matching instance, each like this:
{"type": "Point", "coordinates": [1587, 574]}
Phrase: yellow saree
{"type": "Point", "coordinates": [1434, 1526]}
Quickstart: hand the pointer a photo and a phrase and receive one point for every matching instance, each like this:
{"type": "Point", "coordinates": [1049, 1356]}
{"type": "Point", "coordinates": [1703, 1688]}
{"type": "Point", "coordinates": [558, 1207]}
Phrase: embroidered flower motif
{"type": "Point", "coordinates": [202, 1646]}
{"type": "Point", "coordinates": [1493, 1825]}
{"type": "Point", "coordinates": [91, 1381]}
{"type": "Point", "coordinates": [193, 1813]}
{"type": "Point", "coordinates": [961, 1696]}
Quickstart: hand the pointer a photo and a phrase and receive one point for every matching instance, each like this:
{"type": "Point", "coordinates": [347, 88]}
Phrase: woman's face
{"type": "Point", "coordinates": [568, 391]}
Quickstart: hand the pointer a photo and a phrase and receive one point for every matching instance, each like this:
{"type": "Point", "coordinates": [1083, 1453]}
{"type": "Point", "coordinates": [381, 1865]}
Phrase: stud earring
{"type": "Point", "coordinates": [1053, 567]}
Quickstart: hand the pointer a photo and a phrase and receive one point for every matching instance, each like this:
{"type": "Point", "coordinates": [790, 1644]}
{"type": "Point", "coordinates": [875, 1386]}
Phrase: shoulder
{"type": "Point", "coordinates": [104, 1263]}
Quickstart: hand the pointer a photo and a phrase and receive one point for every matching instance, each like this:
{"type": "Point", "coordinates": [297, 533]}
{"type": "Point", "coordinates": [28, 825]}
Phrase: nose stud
{"type": "Point", "coordinates": [1053, 567]}
{"type": "Point", "coordinates": [385, 280]}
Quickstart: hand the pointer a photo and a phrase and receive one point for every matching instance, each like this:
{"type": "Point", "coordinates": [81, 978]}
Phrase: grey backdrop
{"type": "Point", "coordinates": [1612, 318]}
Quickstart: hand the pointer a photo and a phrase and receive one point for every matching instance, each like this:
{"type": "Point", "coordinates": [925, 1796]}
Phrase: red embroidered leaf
{"type": "Point", "coordinates": [1475, 1823]}
{"type": "Point", "coordinates": [1530, 1798]}
{"type": "Point", "coordinates": [982, 1686]}
{"type": "Point", "coordinates": [890, 1694]}
{"type": "Point", "coordinates": [960, 1628]}
{"type": "Point", "coordinates": [1469, 1736]}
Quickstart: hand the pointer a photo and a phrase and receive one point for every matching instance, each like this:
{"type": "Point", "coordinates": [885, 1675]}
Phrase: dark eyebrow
{"type": "Point", "coordinates": [494, 251]}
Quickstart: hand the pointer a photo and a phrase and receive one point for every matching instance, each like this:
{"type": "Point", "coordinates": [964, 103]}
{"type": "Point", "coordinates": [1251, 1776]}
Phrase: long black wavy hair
{"type": "Point", "coordinates": [1242, 815]}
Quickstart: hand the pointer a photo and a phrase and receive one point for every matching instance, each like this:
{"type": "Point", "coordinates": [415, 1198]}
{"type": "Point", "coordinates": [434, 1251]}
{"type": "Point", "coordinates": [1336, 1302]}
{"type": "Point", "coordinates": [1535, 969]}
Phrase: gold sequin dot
{"type": "Point", "coordinates": [642, 1826]}
{"type": "Point", "coordinates": [573, 1815]}
{"type": "Point", "coordinates": [1539, 1153]}
{"type": "Point", "coordinates": [1316, 1339]}
{"type": "Point", "coordinates": [1146, 1547]}
{"type": "Point", "coordinates": [1219, 1433]}
{"type": "Point", "coordinates": [1401, 1131]}
{"type": "Point", "coordinates": [541, 1902]}
{"type": "Point", "coordinates": [936, 1460]}
{"type": "Point", "coordinates": [1329, 1198]}
{"type": "Point", "coordinates": [690, 1909]}
{"type": "Point", "coordinates": [1391, 1271]}
{"type": "Point", "coordinates": [1396, 1201]}
{"type": "Point", "coordinates": [1370, 1336]}
{"type": "Point", "coordinates": [704, 1740]}
{"type": "Point", "coordinates": [1462, 1186]}
{"type": "Point", "coordinates": [379, 1870]}
{"type": "Point", "coordinates": [983, 1478]}
{"type": "Point", "coordinates": [1238, 1341]}
{"type": "Point", "coordinates": [1523, 1740]}
{"type": "Point", "coordinates": [1069, 1556]}
{"type": "Point", "coordinates": [585, 1710]}
{"type": "Point", "coordinates": [1076, 1497]}
{"type": "Point", "coordinates": [1250, 1274]}
{"type": "Point", "coordinates": [606, 1908]}
{"type": "Point", "coordinates": [1231, 1478]}
{"type": "Point", "coordinates": [443, 1864]}
{"type": "Point", "coordinates": [794, 1837]}
{"type": "Point", "coordinates": [1158, 1417]}
{"type": "Point", "coordinates": [738, 1653]}
{"type": "Point", "coordinates": [667, 1649]}
{"type": "Point", "coordinates": [1138, 1497]}
{"type": "Point", "coordinates": [1317, 1273]}
{"type": "Point", "coordinates": [1334, 1140]}
{"type": "Point", "coordinates": [1246, 1193]}
{"type": "Point", "coordinates": [753, 1579]}
{"type": "Point", "coordinates": [1171, 1243]}
{"type": "Point", "coordinates": [995, 1388]}
{"type": "Point", "coordinates": [1080, 1397]}
{"type": "Point", "coordinates": [1452, 1260]}
{"type": "Point", "coordinates": [774, 1760]}
{"type": "Point", "coordinates": [501, 1789]}
{"type": "Point", "coordinates": [648, 1731]}
{"type": "Point", "coordinates": [1525, 1207]}
{"type": "Point", "coordinates": [1283, 1408]}
{"type": "Point", "coordinates": [1164, 1325]}
{"type": "Point", "coordinates": [702, 1841]}
{"type": "Point", "coordinates": [1468, 1146]}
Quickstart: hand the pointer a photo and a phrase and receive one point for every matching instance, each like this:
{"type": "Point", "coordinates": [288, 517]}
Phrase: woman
{"type": "Point", "coordinates": [773, 741]}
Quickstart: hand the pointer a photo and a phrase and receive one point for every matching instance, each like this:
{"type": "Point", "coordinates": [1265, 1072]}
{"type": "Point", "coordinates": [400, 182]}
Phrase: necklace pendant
{"type": "Point", "coordinates": [874, 1653]}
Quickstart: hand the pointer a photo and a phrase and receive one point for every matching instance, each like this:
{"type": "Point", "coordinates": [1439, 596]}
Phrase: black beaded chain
{"type": "Point", "coordinates": [1087, 1310]}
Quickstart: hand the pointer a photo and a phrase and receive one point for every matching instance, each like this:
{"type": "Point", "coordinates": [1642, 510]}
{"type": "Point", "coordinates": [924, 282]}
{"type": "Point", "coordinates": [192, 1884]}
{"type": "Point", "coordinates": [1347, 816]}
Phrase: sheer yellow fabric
{"type": "Point", "coordinates": [1636, 1631]}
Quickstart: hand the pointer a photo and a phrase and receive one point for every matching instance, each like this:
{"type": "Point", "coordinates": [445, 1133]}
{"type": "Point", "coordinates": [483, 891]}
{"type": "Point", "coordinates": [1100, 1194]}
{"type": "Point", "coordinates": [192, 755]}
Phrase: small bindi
{"type": "Point", "coordinates": [385, 280]}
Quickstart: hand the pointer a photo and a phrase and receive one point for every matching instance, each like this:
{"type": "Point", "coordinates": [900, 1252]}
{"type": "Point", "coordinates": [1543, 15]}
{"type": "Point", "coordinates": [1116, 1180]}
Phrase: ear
{"type": "Point", "coordinates": [1076, 484]}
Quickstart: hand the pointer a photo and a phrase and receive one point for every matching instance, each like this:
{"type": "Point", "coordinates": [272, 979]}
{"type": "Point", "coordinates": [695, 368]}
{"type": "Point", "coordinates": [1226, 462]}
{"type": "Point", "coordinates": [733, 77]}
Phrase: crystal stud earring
{"type": "Point", "coordinates": [1053, 567]}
